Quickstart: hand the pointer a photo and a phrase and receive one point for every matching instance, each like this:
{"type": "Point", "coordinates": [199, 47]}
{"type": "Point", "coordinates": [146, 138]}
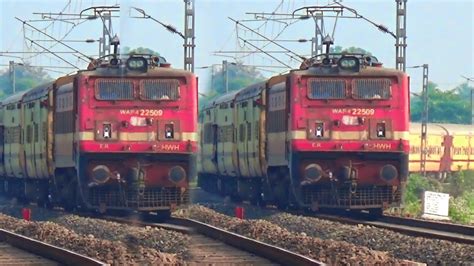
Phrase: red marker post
{"type": "Point", "coordinates": [26, 213]}
{"type": "Point", "coordinates": [239, 212]}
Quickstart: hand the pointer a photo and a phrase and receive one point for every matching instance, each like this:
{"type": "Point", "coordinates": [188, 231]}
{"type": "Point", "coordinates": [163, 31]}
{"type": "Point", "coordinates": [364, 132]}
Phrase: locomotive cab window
{"type": "Point", "coordinates": [114, 90]}
{"type": "Point", "coordinates": [159, 89]}
{"type": "Point", "coordinates": [371, 89]}
{"type": "Point", "coordinates": [324, 89]}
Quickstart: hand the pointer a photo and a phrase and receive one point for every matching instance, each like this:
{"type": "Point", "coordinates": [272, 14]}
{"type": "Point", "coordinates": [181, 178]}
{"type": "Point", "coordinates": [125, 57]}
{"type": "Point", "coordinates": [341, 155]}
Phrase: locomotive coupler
{"type": "Point", "coordinates": [138, 179]}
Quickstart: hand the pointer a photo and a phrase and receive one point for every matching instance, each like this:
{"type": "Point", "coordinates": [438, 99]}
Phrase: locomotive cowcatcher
{"type": "Point", "coordinates": [332, 134]}
{"type": "Point", "coordinates": [117, 136]}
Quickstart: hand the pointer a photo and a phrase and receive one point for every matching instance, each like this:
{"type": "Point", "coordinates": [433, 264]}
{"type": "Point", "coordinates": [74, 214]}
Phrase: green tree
{"type": "Point", "coordinates": [139, 50]}
{"type": "Point", "coordinates": [464, 90]}
{"type": "Point", "coordinates": [352, 49]}
{"type": "Point", "coordinates": [26, 77]}
{"type": "Point", "coordinates": [451, 106]}
{"type": "Point", "coordinates": [239, 76]}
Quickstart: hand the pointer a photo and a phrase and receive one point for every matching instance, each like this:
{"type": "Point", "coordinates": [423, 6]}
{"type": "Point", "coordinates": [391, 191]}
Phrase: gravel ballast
{"type": "Point", "coordinates": [400, 246]}
{"type": "Point", "coordinates": [430, 251]}
{"type": "Point", "coordinates": [327, 251]}
{"type": "Point", "coordinates": [151, 237]}
{"type": "Point", "coordinates": [116, 252]}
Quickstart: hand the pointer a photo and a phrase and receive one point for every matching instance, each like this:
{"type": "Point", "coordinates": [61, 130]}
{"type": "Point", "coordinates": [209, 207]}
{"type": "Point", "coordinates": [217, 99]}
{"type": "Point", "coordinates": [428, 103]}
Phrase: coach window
{"type": "Point", "coordinates": [256, 130]}
{"type": "Point", "coordinates": [28, 134]}
{"type": "Point", "coordinates": [249, 132]}
{"type": "Point", "coordinates": [241, 133]}
{"type": "Point", "coordinates": [45, 131]}
{"type": "Point", "coordinates": [36, 135]}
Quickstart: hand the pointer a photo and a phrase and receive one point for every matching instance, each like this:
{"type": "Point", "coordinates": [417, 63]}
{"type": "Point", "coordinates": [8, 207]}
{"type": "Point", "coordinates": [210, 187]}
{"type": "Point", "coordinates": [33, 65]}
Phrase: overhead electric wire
{"type": "Point", "coordinates": [62, 59]}
{"type": "Point", "coordinates": [379, 26]}
{"type": "Point", "coordinates": [276, 59]}
{"type": "Point", "coordinates": [266, 38]}
{"type": "Point", "coordinates": [59, 41]}
{"type": "Point", "coordinates": [169, 27]}
{"type": "Point", "coordinates": [56, 43]}
{"type": "Point", "coordinates": [52, 23]}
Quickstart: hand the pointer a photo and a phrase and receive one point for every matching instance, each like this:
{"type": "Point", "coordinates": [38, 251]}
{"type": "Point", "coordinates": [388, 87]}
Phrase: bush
{"type": "Point", "coordinates": [460, 188]}
{"type": "Point", "coordinates": [461, 182]}
{"type": "Point", "coordinates": [459, 210]}
{"type": "Point", "coordinates": [418, 184]}
{"type": "Point", "coordinates": [412, 208]}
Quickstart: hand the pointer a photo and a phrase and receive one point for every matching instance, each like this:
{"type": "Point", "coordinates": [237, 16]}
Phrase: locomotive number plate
{"type": "Point", "coordinates": [142, 112]}
{"type": "Point", "coordinates": [362, 111]}
{"type": "Point", "coordinates": [151, 112]}
{"type": "Point", "coordinates": [354, 111]}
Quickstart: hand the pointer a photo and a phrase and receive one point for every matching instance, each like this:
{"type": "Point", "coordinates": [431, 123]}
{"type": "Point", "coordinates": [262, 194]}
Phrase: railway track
{"type": "Point", "coordinates": [211, 245]}
{"type": "Point", "coordinates": [20, 250]}
{"type": "Point", "coordinates": [415, 227]}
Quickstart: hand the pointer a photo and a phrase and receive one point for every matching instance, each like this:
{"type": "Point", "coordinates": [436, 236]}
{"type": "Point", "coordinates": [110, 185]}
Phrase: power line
{"type": "Point", "coordinates": [169, 27]}
{"type": "Point", "coordinates": [30, 52]}
{"type": "Point", "coordinates": [46, 49]}
{"type": "Point", "coordinates": [263, 36]}
{"type": "Point", "coordinates": [53, 45]}
{"type": "Point", "coordinates": [68, 46]}
{"type": "Point", "coordinates": [276, 59]}
{"type": "Point", "coordinates": [59, 67]}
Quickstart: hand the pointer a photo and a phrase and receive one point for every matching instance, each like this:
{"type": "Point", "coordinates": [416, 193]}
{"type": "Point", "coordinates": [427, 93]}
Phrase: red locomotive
{"type": "Point", "coordinates": [118, 136]}
{"type": "Point", "coordinates": [332, 134]}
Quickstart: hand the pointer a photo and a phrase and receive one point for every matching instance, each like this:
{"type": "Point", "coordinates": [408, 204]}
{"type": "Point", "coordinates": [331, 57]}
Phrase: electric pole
{"type": "Point", "coordinates": [11, 68]}
{"type": "Point", "coordinates": [316, 41]}
{"type": "Point", "coordinates": [104, 41]}
{"type": "Point", "coordinates": [472, 98]}
{"type": "Point", "coordinates": [225, 73]}
{"type": "Point", "coordinates": [424, 121]}
{"type": "Point", "coordinates": [401, 35]}
{"type": "Point", "coordinates": [189, 35]}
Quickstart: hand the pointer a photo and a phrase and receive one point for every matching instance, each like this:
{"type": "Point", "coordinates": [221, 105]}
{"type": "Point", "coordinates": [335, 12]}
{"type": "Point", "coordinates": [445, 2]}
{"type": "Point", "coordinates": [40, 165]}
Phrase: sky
{"type": "Point", "coordinates": [440, 33]}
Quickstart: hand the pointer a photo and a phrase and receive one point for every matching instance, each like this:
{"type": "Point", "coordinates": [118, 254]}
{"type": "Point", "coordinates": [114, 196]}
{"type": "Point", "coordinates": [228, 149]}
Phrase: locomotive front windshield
{"type": "Point", "coordinates": [114, 89]}
{"type": "Point", "coordinates": [158, 89]}
{"type": "Point", "coordinates": [359, 89]}
{"type": "Point", "coordinates": [371, 88]}
{"type": "Point", "coordinates": [322, 89]}
{"type": "Point", "coordinates": [146, 90]}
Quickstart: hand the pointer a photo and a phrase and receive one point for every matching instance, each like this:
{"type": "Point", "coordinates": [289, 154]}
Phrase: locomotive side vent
{"type": "Point", "coordinates": [373, 89]}
{"type": "Point", "coordinates": [114, 89]}
{"type": "Point", "coordinates": [322, 89]}
{"type": "Point", "coordinates": [158, 89]}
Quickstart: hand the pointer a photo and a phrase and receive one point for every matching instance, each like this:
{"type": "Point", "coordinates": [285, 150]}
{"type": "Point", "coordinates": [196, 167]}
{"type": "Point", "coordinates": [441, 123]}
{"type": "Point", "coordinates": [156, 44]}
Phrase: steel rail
{"type": "Point", "coordinates": [270, 252]}
{"type": "Point", "coordinates": [188, 226]}
{"type": "Point", "coordinates": [63, 256]}
{"type": "Point", "coordinates": [413, 227]}
{"type": "Point", "coordinates": [440, 226]}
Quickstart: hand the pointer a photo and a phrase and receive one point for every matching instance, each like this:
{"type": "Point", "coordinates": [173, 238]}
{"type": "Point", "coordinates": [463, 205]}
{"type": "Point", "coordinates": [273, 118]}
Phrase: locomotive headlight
{"type": "Point", "coordinates": [137, 64]}
{"type": "Point", "coordinates": [169, 131]}
{"type": "Point", "coordinates": [176, 174]}
{"type": "Point", "coordinates": [388, 172]}
{"type": "Point", "coordinates": [349, 63]}
{"type": "Point", "coordinates": [313, 172]}
{"type": "Point", "coordinates": [380, 130]}
{"type": "Point", "coordinates": [101, 174]}
{"type": "Point", "coordinates": [319, 130]}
